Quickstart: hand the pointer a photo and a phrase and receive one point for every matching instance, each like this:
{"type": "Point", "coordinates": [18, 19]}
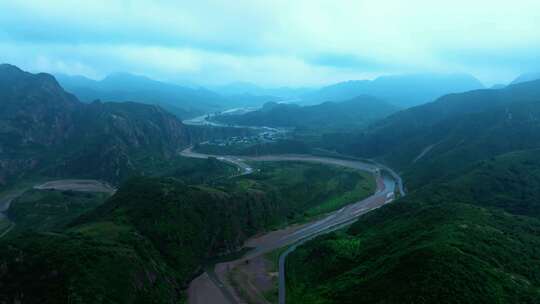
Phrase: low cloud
{"type": "Point", "coordinates": [271, 43]}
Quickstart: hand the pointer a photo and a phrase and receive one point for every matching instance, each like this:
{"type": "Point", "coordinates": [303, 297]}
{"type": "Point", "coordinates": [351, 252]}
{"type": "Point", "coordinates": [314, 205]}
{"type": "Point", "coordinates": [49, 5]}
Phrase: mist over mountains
{"type": "Point", "coordinates": [401, 90]}
{"type": "Point", "coordinates": [269, 152]}
{"type": "Point", "coordinates": [182, 101]}
{"type": "Point", "coordinates": [350, 114]}
{"type": "Point", "coordinates": [526, 77]}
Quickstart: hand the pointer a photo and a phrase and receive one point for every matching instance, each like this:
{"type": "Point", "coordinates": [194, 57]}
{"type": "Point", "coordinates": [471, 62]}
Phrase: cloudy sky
{"type": "Point", "coordinates": [272, 42]}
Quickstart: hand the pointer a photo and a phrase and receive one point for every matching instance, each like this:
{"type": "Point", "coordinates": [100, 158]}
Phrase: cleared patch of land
{"type": "Point", "coordinates": [255, 278]}
{"type": "Point", "coordinates": [202, 291]}
{"type": "Point", "coordinates": [83, 185]}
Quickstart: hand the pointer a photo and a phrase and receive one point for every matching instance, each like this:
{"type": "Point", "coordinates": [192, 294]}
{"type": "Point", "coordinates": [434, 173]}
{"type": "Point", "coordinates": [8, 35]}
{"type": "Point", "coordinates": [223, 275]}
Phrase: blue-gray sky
{"type": "Point", "coordinates": [272, 42]}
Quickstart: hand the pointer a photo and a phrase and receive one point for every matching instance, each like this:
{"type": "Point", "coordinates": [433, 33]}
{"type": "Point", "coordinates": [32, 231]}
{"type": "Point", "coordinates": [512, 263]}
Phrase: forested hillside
{"type": "Point", "coordinates": [427, 141]}
{"type": "Point", "coordinates": [46, 131]}
{"type": "Point", "coordinates": [470, 238]}
{"type": "Point", "coordinates": [156, 233]}
{"type": "Point", "coordinates": [344, 115]}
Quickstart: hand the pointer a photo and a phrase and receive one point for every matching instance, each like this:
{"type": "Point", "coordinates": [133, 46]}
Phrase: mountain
{"type": "Point", "coordinates": [246, 88]}
{"type": "Point", "coordinates": [468, 238]}
{"type": "Point", "coordinates": [498, 86]}
{"type": "Point", "coordinates": [526, 77]}
{"type": "Point", "coordinates": [467, 231]}
{"type": "Point", "coordinates": [353, 113]}
{"type": "Point", "coordinates": [452, 131]}
{"type": "Point", "coordinates": [45, 130]}
{"type": "Point", "coordinates": [184, 102]}
{"type": "Point", "coordinates": [155, 234]}
{"type": "Point", "coordinates": [143, 245]}
{"type": "Point", "coordinates": [401, 90]}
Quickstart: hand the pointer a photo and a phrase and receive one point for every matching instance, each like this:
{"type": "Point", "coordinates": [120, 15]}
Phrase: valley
{"type": "Point", "coordinates": [346, 201]}
{"type": "Point", "coordinates": [206, 284]}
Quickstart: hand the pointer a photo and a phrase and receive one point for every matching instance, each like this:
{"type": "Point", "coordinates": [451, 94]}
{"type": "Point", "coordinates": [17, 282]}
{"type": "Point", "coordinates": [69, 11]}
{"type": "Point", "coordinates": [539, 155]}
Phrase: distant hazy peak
{"type": "Point", "coordinates": [498, 86]}
{"type": "Point", "coordinates": [402, 90]}
{"type": "Point", "coordinates": [6, 67]}
{"type": "Point", "coordinates": [126, 76]}
{"type": "Point", "coordinates": [526, 77]}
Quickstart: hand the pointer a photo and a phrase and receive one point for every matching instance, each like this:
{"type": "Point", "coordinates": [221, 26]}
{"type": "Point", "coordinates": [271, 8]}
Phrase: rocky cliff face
{"type": "Point", "coordinates": [34, 109]}
{"type": "Point", "coordinates": [44, 129]}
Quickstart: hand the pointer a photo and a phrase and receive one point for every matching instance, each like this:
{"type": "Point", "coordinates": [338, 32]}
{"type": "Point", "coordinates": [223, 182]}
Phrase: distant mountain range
{"type": "Point", "coordinates": [400, 90]}
{"type": "Point", "coordinates": [350, 114]}
{"type": "Point", "coordinates": [526, 77]}
{"type": "Point", "coordinates": [182, 101]}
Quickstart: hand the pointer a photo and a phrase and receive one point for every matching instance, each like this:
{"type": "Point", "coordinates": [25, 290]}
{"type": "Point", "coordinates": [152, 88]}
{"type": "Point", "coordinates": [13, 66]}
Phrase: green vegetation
{"type": "Point", "coordinates": [148, 241]}
{"type": "Point", "coordinates": [510, 182]}
{"type": "Point", "coordinates": [415, 253]}
{"type": "Point", "coordinates": [468, 232]}
{"type": "Point", "coordinates": [111, 265]}
{"type": "Point", "coordinates": [285, 146]}
{"type": "Point", "coordinates": [190, 170]}
{"type": "Point", "coordinates": [5, 224]}
{"type": "Point", "coordinates": [307, 190]}
{"type": "Point", "coordinates": [144, 244]}
{"type": "Point", "coordinates": [45, 131]}
{"type": "Point", "coordinates": [471, 237]}
{"type": "Point", "coordinates": [354, 113]}
{"type": "Point", "coordinates": [44, 210]}
{"type": "Point", "coordinates": [449, 134]}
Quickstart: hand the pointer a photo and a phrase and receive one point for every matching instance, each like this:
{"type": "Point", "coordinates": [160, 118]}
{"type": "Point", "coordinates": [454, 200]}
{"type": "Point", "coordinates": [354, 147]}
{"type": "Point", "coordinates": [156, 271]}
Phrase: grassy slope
{"type": "Point", "coordinates": [43, 210]}
{"type": "Point", "coordinates": [309, 190]}
{"type": "Point", "coordinates": [449, 242]}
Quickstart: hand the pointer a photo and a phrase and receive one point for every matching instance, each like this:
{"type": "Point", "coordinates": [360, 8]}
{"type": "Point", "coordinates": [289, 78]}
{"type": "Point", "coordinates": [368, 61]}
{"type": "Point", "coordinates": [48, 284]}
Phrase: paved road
{"type": "Point", "coordinates": [386, 183]}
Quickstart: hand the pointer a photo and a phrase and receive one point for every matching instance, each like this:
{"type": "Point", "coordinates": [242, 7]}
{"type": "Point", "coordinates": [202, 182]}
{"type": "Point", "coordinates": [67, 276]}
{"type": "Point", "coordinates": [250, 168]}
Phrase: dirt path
{"type": "Point", "coordinates": [203, 291]}
{"type": "Point", "coordinates": [83, 185]}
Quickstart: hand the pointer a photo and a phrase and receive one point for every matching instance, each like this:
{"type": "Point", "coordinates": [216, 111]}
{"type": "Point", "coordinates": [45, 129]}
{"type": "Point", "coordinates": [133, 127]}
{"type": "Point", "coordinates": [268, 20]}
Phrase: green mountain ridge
{"type": "Point", "coordinates": [350, 114]}
{"type": "Point", "coordinates": [44, 130]}
{"type": "Point", "coordinates": [469, 229]}
{"type": "Point", "coordinates": [449, 133]}
{"type": "Point", "coordinates": [451, 241]}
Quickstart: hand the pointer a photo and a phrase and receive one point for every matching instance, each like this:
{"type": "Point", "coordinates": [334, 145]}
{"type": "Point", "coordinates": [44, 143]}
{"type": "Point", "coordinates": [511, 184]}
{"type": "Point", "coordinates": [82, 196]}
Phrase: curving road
{"type": "Point", "coordinates": [386, 184]}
